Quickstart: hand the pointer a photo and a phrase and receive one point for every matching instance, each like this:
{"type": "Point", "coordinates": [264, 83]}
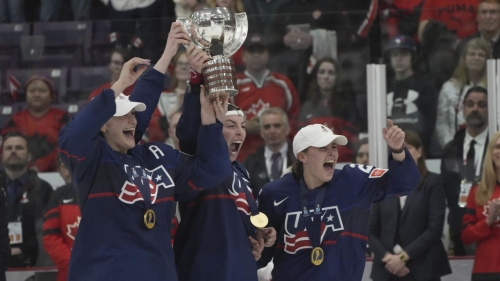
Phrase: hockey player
{"type": "Point", "coordinates": [321, 214]}
{"type": "Point", "coordinates": [216, 239]}
{"type": "Point", "coordinates": [126, 190]}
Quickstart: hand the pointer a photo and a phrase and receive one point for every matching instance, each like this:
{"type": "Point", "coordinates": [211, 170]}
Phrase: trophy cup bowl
{"type": "Point", "coordinates": [220, 33]}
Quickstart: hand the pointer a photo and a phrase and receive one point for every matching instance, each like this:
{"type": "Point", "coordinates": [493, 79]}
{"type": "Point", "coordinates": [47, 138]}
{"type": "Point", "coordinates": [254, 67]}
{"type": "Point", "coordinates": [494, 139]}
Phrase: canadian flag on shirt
{"type": "Point", "coordinates": [14, 86]}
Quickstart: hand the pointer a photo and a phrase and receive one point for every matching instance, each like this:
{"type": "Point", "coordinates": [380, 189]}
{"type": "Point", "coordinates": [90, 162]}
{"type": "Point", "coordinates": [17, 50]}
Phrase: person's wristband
{"type": "Point", "coordinates": [195, 78]}
{"type": "Point", "coordinates": [397, 151]}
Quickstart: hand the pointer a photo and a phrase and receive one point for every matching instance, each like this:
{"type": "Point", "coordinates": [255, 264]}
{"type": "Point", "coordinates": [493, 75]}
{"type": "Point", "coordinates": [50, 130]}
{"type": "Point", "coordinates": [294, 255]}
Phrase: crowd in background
{"type": "Point", "coordinates": [303, 62]}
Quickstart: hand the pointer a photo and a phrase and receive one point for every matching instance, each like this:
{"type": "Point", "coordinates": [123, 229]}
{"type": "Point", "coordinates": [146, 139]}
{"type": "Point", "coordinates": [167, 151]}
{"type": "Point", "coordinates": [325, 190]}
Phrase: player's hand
{"type": "Point", "coordinates": [196, 57]}
{"type": "Point", "coordinates": [402, 272]}
{"type": "Point", "coordinates": [257, 247]}
{"type": "Point", "coordinates": [176, 36]}
{"type": "Point", "coordinates": [220, 105]}
{"type": "Point", "coordinates": [128, 76]}
{"type": "Point", "coordinates": [393, 263]}
{"type": "Point", "coordinates": [393, 135]}
{"type": "Point", "coordinates": [268, 234]}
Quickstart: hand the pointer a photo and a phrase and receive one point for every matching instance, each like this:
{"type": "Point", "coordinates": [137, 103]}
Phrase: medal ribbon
{"type": "Point", "coordinates": [313, 219]}
{"type": "Point", "coordinates": [250, 199]}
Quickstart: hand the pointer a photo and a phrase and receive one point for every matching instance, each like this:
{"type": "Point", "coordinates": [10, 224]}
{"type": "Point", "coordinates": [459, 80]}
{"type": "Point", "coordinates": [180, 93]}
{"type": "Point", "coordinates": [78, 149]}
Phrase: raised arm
{"type": "Point", "coordinates": [150, 86]}
{"type": "Point", "coordinates": [190, 120]}
{"type": "Point", "coordinates": [78, 140]}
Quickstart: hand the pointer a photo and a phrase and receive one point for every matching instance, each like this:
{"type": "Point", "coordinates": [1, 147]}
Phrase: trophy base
{"type": "Point", "coordinates": [220, 76]}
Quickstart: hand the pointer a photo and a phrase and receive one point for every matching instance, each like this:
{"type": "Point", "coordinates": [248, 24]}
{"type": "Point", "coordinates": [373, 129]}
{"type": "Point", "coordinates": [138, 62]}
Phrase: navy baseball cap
{"type": "Point", "coordinates": [255, 42]}
{"type": "Point", "coordinates": [401, 42]}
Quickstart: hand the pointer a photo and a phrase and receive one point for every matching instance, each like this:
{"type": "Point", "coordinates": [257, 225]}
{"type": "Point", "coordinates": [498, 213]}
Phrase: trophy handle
{"type": "Point", "coordinates": [239, 35]}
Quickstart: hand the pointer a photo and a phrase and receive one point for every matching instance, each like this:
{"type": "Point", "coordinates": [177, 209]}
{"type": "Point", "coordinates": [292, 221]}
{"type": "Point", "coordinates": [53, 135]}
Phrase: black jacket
{"type": "Point", "coordinates": [4, 236]}
{"type": "Point", "coordinates": [420, 229]}
{"type": "Point", "coordinates": [28, 209]}
{"type": "Point", "coordinates": [256, 166]}
{"type": "Point", "coordinates": [452, 171]}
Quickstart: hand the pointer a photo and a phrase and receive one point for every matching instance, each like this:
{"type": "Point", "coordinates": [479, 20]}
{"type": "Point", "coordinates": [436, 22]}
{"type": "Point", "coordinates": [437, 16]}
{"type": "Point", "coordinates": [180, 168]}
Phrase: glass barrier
{"type": "Point", "coordinates": [317, 60]}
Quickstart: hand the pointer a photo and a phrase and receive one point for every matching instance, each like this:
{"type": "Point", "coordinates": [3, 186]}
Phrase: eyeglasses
{"type": "Point", "coordinates": [480, 104]}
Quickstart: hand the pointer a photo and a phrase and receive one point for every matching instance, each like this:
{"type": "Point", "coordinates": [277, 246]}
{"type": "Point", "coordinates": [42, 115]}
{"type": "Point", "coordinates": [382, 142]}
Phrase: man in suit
{"type": "Point", "coordinates": [27, 197]}
{"type": "Point", "coordinates": [488, 25]}
{"type": "Point", "coordinates": [271, 159]}
{"type": "Point", "coordinates": [462, 162]}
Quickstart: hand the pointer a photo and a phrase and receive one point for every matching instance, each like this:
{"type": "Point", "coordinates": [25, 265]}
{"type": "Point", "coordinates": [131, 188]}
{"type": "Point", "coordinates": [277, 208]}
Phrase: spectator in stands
{"type": "Point", "coordinates": [361, 152]}
{"type": "Point", "coordinates": [459, 16]}
{"type": "Point", "coordinates": [172, 139]}
{"type": "Point", "coordinates": [411, 98]}
{"type": "Point", "coordinates": [482, 217]}
{"type": "Point", "coordinates": [184, 8]}
{"type": "Point", "coordinates": [4, 235]}
{"type": "Point", "coordinates": [234, 5]}
{"type": "Point", "coordinates": [12, 11]}
{"type": "Point", "coordinates": [135, 25]}
{"type": "Point", "coordinates": [27, 197]}
{"type": "Point", "coordinates": [401, 17]}
{"type": "Point", "coordinates": [488, 24]}
{"type": "Point", "coordinates": [60, 224]}
{"type": "Point", "coordinates": [461, 165]}
{"type": "Point", "coordinates": [259, 89]}
{"type": "Point", "coordinates": [330, 101]}
{"type": "Point", "coordinates": [316, 41]}
{"type": "Point", "coordinates": [405, 232]}
{"type": "Point", "coordinates": [118, 57]}
{"type": "Point", "coordinates": [50, 10]}
{"type": "Point", "coordinates": [40, 123]}
{"type": "Point", "coordinates": [171, 99]}
{"type": "Point", "coordinates": [272, 159]}
{"type": "Point", "coordinates": [471, 71]}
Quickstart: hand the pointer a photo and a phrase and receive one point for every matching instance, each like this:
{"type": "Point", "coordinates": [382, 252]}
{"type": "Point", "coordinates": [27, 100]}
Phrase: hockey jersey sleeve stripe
{"type": "Point", "coordinates": [166, 199]}
{"type": "Point", "coordinates": [370, 18]}
{"type": "Point", "coordinates": [50, 211]}
{"type": "Point", "coordinates": [103, 194]}
{"type": "Point", "coordinates": [218, 196]}
{"type": "Point", "coordinates": [52, 223]}
{"type": "Point", "coordinates": [193, 186]}
{"type": "Point", "coordinates": [51, 231]}
{"type": "Point", "coordinates": [71, 155]}
{"type": "Point", "coordinates": [52, 215]}
{"type": "Point", "coordinates": [355, 235]}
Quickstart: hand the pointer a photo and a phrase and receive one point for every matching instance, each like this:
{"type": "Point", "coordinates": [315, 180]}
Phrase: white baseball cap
{"type": "Point", "coordinates": [124, 105]}
{"type": "Point", "coordinates": [315, 135]}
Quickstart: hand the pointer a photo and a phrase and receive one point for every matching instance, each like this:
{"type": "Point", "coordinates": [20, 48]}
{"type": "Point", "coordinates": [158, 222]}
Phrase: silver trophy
{"type": "Point", "coordinates": [220, 33]}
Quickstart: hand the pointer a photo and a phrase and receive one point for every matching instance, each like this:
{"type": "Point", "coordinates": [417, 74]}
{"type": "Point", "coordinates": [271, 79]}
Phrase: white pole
{"type": "Point", "coordinates": [493, 66]}
{"type": "Point", "coordinates": [377, 114]}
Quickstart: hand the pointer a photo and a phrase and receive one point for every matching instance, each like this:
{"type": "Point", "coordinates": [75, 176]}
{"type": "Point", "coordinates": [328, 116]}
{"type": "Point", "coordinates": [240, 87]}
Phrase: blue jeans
{"type": "Point", "coordinates": [12, 11]}
{"type": "Point", "coordinates": [50, 10]}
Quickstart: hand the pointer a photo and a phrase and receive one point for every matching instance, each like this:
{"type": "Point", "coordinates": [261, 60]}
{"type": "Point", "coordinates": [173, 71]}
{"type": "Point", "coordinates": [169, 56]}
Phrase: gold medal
{"type": "Point", "coordinates": [317, 256]}
{"type": "Point", "coordinates": [149, 218]}
{"type": "Point", "coordinates": [260, 220]}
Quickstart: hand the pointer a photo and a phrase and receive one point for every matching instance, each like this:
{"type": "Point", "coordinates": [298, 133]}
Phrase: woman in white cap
{"type": "Point", "coordinates": [125, 191]}
{"type": "Point", "coordinates": [321, 213]}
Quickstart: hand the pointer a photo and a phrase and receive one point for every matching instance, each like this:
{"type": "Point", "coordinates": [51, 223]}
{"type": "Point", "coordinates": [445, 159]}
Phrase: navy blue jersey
{"type": "Point", "coordinates": [212, 242]}
{"type": "Point", "coordinates": [113, 242]}
{"type": "Point", "coordinates": [344, 215]}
